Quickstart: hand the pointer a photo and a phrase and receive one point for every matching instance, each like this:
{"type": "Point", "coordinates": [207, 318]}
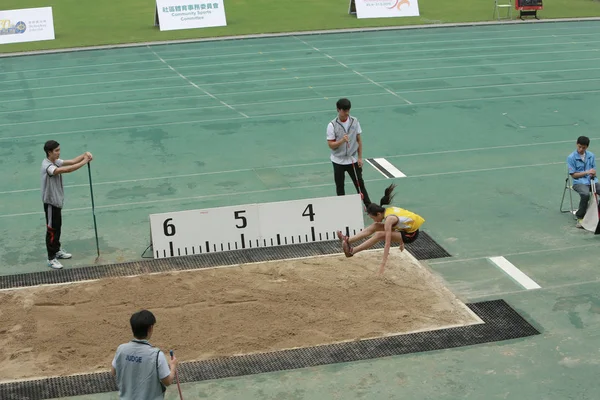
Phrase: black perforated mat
{"type": "Point", "coordinates": [501, 322]}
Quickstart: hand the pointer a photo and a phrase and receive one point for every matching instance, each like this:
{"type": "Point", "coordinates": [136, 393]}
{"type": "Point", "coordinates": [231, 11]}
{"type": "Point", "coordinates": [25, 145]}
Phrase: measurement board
{"type": "Point", "coordinates": [219, 229]}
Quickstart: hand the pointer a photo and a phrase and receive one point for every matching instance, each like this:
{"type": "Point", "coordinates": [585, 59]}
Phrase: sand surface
{"type": "Point", "coordinates": [75, 328]}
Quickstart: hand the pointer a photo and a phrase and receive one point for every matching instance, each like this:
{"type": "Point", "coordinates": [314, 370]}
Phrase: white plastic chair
{"type": "Point", "coordinates": [498, 4]}
{"type": "Point", "coordinates": [569, 188]}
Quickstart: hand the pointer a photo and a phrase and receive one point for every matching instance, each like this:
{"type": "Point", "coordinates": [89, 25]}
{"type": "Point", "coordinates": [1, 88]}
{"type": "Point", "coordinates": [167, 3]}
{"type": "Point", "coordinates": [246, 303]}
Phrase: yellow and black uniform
{"type": "Point", "coordinates": [408, 223]}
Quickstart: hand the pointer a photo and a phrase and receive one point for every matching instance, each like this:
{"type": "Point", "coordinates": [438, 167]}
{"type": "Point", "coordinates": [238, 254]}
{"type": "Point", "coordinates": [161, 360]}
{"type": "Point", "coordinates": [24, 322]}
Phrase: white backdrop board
{"type": "Point", "coordinates": [386, 8]}
{"type": "Point", "coordinates": [219, 229]}
{"type": "Point", "coordinates": [26, 25]}
{"type": "Point", "coordinates": [592, 216]}
{"type": "Point", "coordinates": [189, 14]}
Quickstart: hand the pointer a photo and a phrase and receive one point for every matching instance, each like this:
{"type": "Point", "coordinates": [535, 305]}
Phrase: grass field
{"type": "Point", "coordinates": [102, 22]}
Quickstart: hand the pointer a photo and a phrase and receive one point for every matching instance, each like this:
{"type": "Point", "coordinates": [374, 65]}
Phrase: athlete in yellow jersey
{"type": "Point", "coordinates": [407, 222]}
{"type": "Point", "coordinates": [391, 224]}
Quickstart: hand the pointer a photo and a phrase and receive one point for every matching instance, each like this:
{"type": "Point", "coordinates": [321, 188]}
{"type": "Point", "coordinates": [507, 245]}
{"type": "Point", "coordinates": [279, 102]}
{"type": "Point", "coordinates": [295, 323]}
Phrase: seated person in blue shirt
{"type": "Point", "coordinates": [582, 168]}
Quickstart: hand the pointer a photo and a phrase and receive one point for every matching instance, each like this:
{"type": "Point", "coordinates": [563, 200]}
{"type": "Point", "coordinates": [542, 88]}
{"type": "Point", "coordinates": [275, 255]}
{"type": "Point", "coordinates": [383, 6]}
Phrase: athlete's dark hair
{"type": "Point", "coordinates": [374, 209]}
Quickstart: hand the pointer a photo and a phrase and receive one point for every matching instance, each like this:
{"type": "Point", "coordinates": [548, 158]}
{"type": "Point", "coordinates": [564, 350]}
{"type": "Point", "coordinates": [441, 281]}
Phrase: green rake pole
{"type": "Point", "coordinates": [93, 211]}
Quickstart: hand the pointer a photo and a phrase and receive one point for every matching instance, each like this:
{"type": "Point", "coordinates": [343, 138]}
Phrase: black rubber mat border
{"type": "Point", "coordinates": [501, 322]}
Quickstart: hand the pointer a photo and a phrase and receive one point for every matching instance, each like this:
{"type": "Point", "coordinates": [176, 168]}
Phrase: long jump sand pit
{"type": "Point", "coordinates": [219, 312]}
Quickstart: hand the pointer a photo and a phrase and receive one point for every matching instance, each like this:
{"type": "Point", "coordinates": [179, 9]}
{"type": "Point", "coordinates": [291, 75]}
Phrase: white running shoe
{"type": "Point", "coordinates": [63, 255]}
{"type": "Point", "coordinates": [54, 264]}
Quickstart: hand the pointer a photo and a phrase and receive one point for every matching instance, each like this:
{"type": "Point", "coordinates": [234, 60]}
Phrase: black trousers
{"type": "Point", "coordinates": [53, 225]}
{"type": "Point", "coordinates": [339, 175]}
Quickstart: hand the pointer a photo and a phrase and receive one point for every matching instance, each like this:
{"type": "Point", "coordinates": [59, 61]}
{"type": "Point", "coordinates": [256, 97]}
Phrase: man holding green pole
{"type": "Point", "coordinates": [53, 197]}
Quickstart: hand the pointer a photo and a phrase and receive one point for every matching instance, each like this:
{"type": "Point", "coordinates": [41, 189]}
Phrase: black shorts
{"type": "Point", "coordinates": [409, 237]}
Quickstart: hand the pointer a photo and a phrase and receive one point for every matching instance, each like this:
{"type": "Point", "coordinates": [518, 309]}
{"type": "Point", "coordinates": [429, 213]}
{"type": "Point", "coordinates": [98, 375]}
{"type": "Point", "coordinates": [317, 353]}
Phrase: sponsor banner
{"type": "Point", "coordinates": [386, 8]}
{"type": "Point", "coordinates": [26, 25]}
{"type": "Point", "coordinates": [189, 14]}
